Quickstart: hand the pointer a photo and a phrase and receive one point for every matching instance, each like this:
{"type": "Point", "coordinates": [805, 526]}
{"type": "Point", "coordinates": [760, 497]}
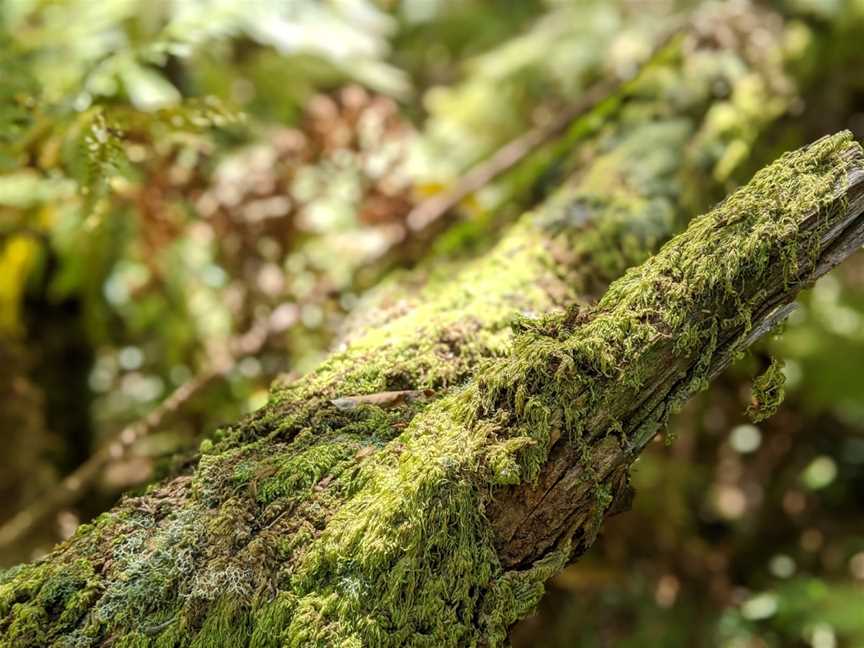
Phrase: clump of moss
{"type": "Point", "coordinates": [768, 392]}
{"type": "Point", "coordinates": [296, 472]}
{"type": "Point", "coordinates": [404, 560]}
{"type": "Point", "coordinates": [516, 594]}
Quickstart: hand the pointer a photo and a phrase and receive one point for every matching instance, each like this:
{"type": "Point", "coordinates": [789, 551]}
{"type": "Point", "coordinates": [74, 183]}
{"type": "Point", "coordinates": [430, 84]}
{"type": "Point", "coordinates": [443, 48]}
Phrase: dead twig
{"type": "Point", "coordinates": [384, 400]}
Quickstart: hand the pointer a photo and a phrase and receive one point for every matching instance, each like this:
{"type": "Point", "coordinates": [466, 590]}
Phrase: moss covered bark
{"type": "Point", "coordinates": [436, 523]}
{"type": "Point", "coordinates": [435, 519]}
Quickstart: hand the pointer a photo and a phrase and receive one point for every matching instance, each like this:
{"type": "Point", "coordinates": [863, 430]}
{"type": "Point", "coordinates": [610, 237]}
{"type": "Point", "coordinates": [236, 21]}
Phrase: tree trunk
{"type": "Point", "coordinates": [420, 486]}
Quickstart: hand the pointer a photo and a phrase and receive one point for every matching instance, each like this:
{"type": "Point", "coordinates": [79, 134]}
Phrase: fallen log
{"type": "Point", "coordinates": [436, 521]}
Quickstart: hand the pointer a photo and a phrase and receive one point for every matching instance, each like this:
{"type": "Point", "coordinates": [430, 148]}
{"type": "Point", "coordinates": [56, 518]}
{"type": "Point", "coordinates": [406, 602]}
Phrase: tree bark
{"type": "Point", "coordinates": [422, 484]}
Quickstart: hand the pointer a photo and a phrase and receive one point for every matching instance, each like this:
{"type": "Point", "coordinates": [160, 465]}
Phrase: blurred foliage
{"type": "Point", "coordinates": [148, 208]}
{"type": "Point", "coordinates": [173, 172]}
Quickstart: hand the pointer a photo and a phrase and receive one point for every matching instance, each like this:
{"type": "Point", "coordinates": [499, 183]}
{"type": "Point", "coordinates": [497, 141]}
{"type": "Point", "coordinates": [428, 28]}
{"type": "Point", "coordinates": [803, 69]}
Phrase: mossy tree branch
{"type": "Point", "coordinates": [335, 518]}
{"type": "Point", "coordinates": [445, 534]}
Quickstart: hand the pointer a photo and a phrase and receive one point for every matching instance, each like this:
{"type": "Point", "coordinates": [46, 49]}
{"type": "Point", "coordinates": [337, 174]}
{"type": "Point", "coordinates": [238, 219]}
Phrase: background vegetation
{"type": "Point", "coordinates": [172, 174]}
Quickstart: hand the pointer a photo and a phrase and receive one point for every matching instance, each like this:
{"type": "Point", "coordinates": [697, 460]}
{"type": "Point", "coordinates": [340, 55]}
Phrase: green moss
{"type": "Point", "coordinates": [227, 625]}
{"type": "Point", "coordinates": [768, 392]}
{"type": "Point", "coordinates": [516, 594]}
{"type": "Point", "coordinates": [20, 583]}
{"type": "Point", "coordinates": [503, 462]}
{"type": "Point", "coordinates": [176, 635]}
{"type": "Point", "coordinates": [403, 562]}
{"type": "Point", "coordinates": [133, 640]}
{"type": "Point", "coordinates": [28, 628]}
{"type": "Point", "coordinates": [271, 620]}
{"type": "Point", "coordinates": [299, 471]}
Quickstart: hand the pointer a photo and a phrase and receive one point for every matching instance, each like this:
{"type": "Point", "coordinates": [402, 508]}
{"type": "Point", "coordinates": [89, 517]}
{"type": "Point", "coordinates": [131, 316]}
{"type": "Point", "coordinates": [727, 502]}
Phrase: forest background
{"type": "Point", "coordinates": [199, 198]}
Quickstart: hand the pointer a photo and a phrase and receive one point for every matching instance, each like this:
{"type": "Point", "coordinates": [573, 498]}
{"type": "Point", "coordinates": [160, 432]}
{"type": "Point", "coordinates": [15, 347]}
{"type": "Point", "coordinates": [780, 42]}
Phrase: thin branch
{"type": "Point", "coordinates": [76, 484]}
